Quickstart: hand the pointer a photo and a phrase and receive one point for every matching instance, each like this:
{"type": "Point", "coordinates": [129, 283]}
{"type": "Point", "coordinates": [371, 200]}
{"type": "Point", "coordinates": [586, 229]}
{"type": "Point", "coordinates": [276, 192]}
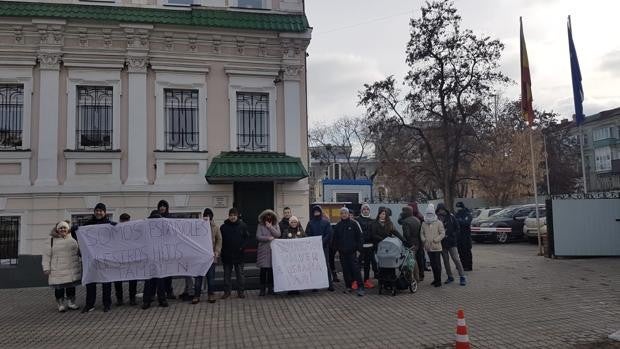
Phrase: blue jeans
{"type": "Point", "coordinates": [210, 281]}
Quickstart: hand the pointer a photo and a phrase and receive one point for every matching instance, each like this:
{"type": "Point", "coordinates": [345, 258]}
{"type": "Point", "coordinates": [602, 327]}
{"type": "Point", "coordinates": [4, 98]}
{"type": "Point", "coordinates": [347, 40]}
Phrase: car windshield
{"type": "Point", "coordinates": [507, 212]}
{"type": "Point", "coordinates": [476, 213]}
{"type": "Point", "coordinates": [494, 211]}
{"type": "Point", "coordinates": [541, 213]}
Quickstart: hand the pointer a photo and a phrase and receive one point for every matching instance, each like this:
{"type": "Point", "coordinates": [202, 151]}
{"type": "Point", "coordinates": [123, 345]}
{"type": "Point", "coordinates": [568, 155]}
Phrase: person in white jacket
{"type": "Point", "coordinates": [432, 232]}
{"type": "Point", "coordinates": [61, 263]}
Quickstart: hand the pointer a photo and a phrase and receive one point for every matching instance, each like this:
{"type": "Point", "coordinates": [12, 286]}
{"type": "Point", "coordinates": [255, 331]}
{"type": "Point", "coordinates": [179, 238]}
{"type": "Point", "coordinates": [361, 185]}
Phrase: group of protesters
{"type": "Point", "coordinates": [437, 234]}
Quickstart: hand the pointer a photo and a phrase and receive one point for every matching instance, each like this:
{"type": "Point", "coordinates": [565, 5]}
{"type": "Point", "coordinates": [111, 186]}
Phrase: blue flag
{"type": "Point", "coordinates": [576, 76]}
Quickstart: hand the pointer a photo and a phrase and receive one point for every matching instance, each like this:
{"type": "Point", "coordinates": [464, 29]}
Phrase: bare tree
{"type": "Point", "coordinates": [348, 139]}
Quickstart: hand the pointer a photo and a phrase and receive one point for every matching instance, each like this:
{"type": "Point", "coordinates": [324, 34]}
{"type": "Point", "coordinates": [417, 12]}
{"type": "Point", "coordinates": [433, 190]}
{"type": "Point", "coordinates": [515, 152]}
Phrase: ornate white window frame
{"type": "Point", "coordinates": [191, 81]}
{"type": "Point", "coordinates": [21, 76]}
{"type": "Point", "coordinates": [89, 77]}
{"type": "Point", "coordinates": [245, 82]}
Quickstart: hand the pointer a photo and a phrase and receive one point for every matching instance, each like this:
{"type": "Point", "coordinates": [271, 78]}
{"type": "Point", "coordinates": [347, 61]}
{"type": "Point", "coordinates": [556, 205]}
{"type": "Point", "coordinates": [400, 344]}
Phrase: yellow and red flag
{"type": "Point", "coordinates": [526, 82]}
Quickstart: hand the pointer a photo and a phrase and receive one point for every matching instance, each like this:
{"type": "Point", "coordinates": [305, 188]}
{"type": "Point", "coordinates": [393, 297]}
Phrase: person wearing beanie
{"type": "Point", "coordinates": [216, 239]}
{"type": "Point", "coordinates": [287, 213]}
{"type": "Point", "coordinates": [449, 243]}
{"type": "Point", "coordinates": [320, 226]}
{"type": "Point", "coordinates": [163, 211]}
{"type": "Point", "coordinates": [348, 241]}
{"type": "Point", "coordinates": [61, 263]}
{"type": "Point", "coordinates": [367, 257]}
{"type": "Point", "coordinates": [411, 232]}
{"type": "Point", "coordinates": [99, 217]}
{"type": "Point", "coordinates": [464, 217]}
{"type": "Point", "coordinates": [432, 233]}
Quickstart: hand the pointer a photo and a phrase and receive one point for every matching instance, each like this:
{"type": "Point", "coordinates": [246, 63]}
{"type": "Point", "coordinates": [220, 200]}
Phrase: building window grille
{"type": "Point", "coordinates": [252, 122]}
{"type": "Point", "coordinates": [11, 116]}
{"type": "Point", "coordinates": [9, 240]}
{"type": "Point", "coordinates": [94, 118]}
{"type": "Point", "coordinates": [181, 112]}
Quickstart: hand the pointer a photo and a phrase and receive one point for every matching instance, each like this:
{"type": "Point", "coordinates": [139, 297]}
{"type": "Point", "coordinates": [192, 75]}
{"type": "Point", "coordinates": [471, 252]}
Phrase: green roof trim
{"type": "Point", "coordinates": [229, 167]}
{"type": "Point", "coordinates": [193, 16]}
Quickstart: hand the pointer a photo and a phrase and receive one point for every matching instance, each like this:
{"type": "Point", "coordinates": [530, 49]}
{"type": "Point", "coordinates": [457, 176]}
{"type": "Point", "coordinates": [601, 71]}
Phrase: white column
{"type": "Point", "coordinates": [47, 154]}
{"type": "Point", "coordinates": [292, 112]}
{"type": "Point", "coordinates": [137, 152]}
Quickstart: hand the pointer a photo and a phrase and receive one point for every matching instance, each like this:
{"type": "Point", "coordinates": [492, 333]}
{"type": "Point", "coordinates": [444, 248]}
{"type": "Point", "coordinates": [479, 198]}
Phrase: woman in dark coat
{"type": "Point", "coordinates": [266, 231]}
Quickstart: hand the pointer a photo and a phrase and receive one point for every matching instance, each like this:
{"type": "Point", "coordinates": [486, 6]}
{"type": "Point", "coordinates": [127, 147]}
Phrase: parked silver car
{"type": "Point", "coordinates": [529, 228]}
{"type": "Point", "coordinates": [484, 213]}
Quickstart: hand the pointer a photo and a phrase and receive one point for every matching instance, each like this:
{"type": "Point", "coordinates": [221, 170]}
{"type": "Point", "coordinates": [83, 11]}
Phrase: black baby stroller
{"type": "Point", "coordinates": [396, 265]}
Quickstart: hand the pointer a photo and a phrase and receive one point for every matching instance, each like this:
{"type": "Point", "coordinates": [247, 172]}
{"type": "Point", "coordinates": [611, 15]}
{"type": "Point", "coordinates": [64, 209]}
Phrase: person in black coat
{"type": "Point", "coordinates": [163, 211]}
{"type": "Point", "coordinates": [320, 226]}
{"type": "Point", "coordinates": [283, 224]}
{"type": "Point", "coordinates": [348, 241]}
{"type": "Point", "coordinates": [99, 217]}
{"type": "Point", "coordinates": [235, 236]}
{"type": "Point", "coordinates": [367, 258]}
{"type": "Point", "coordinates": [463, 216]}
{"type": "Point", "coordinates": [451, 226]}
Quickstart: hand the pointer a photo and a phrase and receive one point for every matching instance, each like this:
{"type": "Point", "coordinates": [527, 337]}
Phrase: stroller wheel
{"type": "Point", "coordinates": [413, 288]}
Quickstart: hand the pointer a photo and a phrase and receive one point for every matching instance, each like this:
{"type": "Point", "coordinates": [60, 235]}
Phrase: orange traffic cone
{"type": "Point", "coordinates": [462, 339]}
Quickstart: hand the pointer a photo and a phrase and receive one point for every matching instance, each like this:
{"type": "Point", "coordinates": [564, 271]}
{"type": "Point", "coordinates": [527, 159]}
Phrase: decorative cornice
{"type": "Point", "coordinates": [291, 71]}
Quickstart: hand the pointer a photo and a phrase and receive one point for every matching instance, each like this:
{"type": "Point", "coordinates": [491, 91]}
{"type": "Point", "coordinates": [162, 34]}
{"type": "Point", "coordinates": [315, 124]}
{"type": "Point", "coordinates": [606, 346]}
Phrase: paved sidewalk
{"type": "Point", "coordinates": [513, 300]}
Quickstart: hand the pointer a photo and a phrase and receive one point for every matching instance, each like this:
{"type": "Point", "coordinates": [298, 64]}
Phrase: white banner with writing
{"type": "Point", "coordinates": [145, 249]}
{"type": "Point", "coordinates": [298, 264]}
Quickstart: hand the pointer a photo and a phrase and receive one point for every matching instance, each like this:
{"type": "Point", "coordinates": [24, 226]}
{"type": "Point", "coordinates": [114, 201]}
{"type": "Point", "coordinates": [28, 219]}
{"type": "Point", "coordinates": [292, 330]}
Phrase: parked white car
{"type": "Point", "coordinates": [529, 228]}
{"type": "Point", "coordinates": [484, 213]}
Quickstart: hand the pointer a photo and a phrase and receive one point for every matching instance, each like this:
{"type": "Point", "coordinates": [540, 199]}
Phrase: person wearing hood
{"type": "Point", "coordinates": [449, 250]}
{"type": "Point", "coordinates": [432, 233]}
{"type": "Point", "coordinates": [234, 239]}
{"type": "Point", "coordinates": [411, 231]}
{"type": "Point", "coordinates": [348, 241]}
{"type": "Point", "coordinates": [163, 211]}
{"type": "Point", "coordinates": [266, 231]}
{"type": "Point", "coordinates": [61, 264]}
{"type": "Point", "coordinates": [320, 226]}
{"type": "Point", "coordinates": [367, 257]}
{"type": "Point", "coordinates": [294, 229]}
{"type": "Point", "coordinates": [99, 217]}
{"type": "Point", "coordinates": [463, 216]}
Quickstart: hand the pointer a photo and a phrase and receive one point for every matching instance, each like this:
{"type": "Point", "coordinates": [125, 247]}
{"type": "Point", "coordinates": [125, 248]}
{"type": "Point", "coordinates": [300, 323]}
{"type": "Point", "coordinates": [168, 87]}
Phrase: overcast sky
{"type": "Point", "coordinates": [361, 41]}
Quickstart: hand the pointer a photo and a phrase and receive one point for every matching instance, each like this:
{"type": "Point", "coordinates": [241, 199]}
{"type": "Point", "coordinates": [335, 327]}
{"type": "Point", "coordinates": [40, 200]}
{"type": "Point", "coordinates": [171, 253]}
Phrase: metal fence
{"type": "Point", "coordinates": [9, 239]}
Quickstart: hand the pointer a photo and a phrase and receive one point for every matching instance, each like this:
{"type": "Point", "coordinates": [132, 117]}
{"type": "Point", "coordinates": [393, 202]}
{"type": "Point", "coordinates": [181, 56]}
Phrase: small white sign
{"type": "Point", "coordinates": [298, 264]}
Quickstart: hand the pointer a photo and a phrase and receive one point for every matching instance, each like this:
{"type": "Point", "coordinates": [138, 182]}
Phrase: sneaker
{"type": "Point", "coordinates": [225, 295]}
{"type": "Point", "coordinates": [348, 290]}
{"type": "Point", "coordinates": [61, 305]}
{"type": "Point", "coordinates": [87, 310]}
{"type": "Point", "coordinates": [71, 305]}
{"type": "Point", "coordinates": [361, 292]}
{"type": "Point", "coordinates": [368, 284]}
{"type": "Point", "coordinates": [211, 298]}
{"type": "Point", "coordinates": [330, 289]}
{"type": "Point", "coordinates": [449, 280]}
{"type": "Point", "coordinates": [163, 304]}
{"type": "Point", "coordinates": [106, 308]}
{"type": "Point", "coordinates": [196, 300]}
{"type": "Point", "coordinates": [354, 285]}
{"type": "Point", "coordinates": [241, 294]}
{"type": "Point", "coordinates": [463, 281]}
{"type": "Point", "coordinates": [437, 284]}
{"type": "Point", "coordinates": [146, 306]}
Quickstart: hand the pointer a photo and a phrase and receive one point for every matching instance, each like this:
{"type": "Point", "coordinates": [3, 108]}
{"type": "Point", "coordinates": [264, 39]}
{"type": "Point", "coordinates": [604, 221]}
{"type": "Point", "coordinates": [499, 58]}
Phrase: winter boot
{"type": "Point", "coordinates": [71, 304]}
{"type": "Point", "coordinates": [61, 305]}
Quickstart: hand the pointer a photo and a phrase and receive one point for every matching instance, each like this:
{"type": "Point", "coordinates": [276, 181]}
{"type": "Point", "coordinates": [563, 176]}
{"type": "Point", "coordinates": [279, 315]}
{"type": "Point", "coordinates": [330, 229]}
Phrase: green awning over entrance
{"type": "Point", "coordinates": [229, 167]}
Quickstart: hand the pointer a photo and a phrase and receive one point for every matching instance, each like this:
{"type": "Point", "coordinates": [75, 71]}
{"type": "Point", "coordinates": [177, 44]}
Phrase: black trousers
{"type": "Point", "coordinates": [332, 260]}
{"type": "Point", "coordinates": [60, 293]}
{"type": "Point", "coordinates": [228, 267]}
{"type": "Point", "coordinates": [435, 259]}
{"type": "Point", "coordinates": [367, 259]}
{"type": "Point", "coordinates": [350, 270]}
{"type": "Point", "coordinates": [464, 247]}
{"type": "Point", "coordinates": [91, 294]}
{"type": "Point", "coordinates": [421, 261]}
{"type": "Point", "coordinates": [118, 289]}
{"type": "Point", "coordinates": [168, 286]}
{"type": "Point", "coordinates": [151, 288]}
{"type": "Point", "coordinates": [266, 278]}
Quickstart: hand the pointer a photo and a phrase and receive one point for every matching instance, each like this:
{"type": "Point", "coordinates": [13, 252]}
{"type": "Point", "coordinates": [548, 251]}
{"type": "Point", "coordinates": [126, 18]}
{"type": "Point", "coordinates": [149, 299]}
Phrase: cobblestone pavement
{"type": "Point", "coordinates": [513, 300]}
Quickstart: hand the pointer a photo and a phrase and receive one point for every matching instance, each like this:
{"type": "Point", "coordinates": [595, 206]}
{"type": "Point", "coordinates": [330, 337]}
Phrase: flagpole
{"type": "Point", "coordinates": [583, 163]}
{"type": "Point", "coordinates": [547, 165]}
{"type": "Point", "coordinates": [540, 251]}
